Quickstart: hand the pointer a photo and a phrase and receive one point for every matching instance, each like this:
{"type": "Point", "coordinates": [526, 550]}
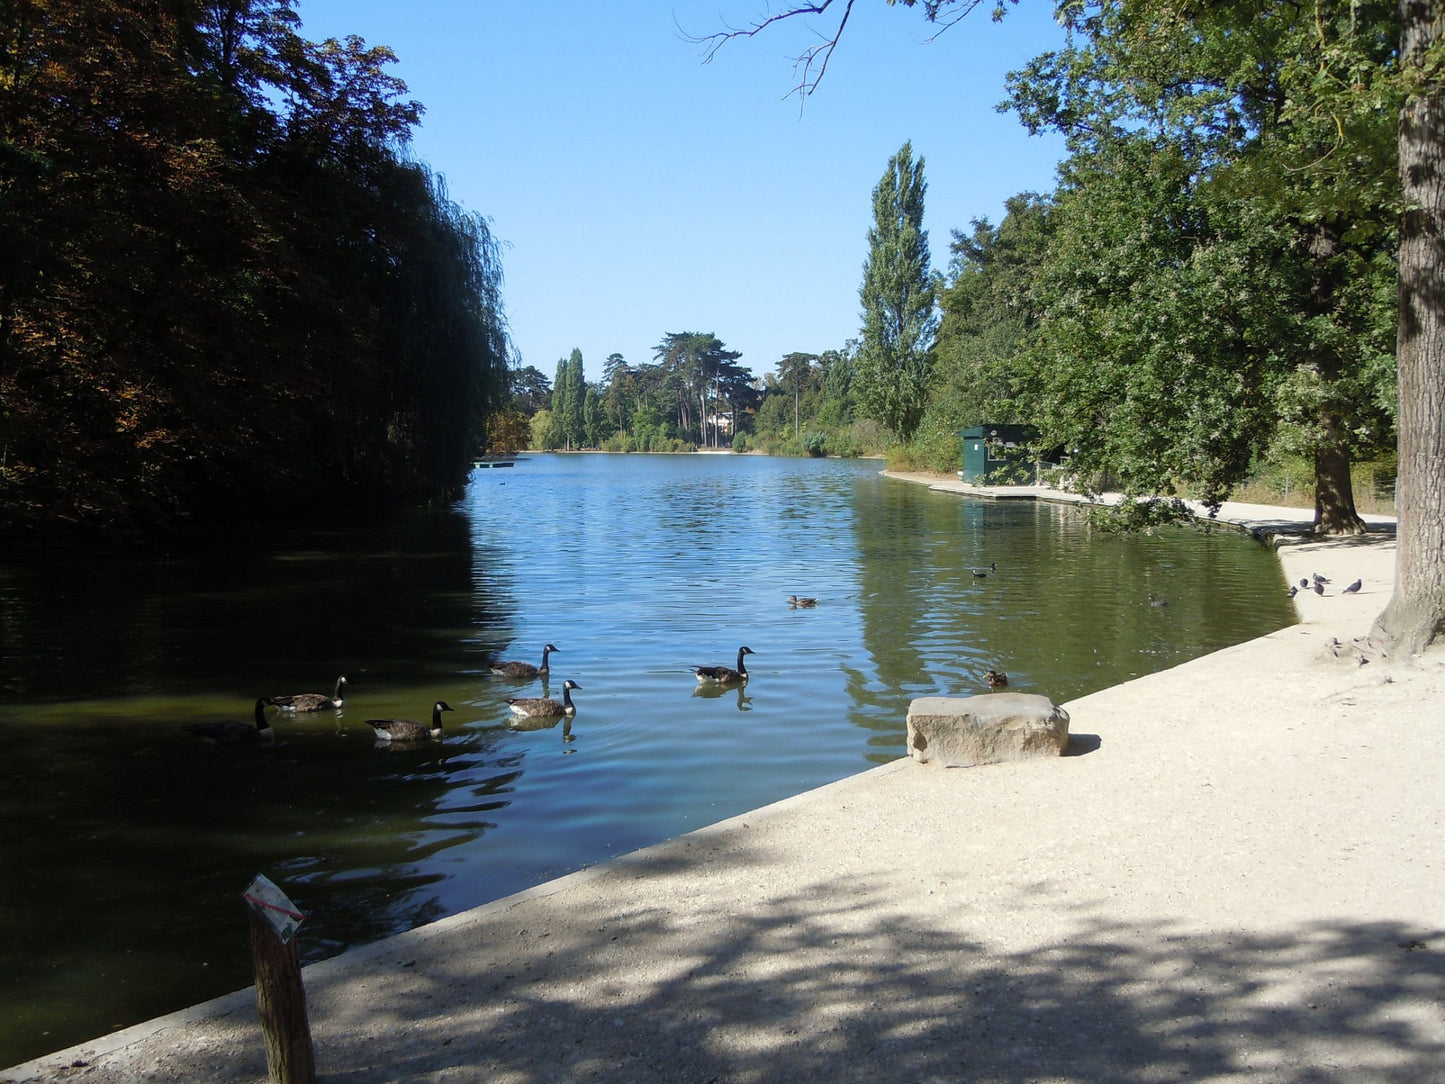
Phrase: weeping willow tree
{"type": "Point", "coordinates": [225, 286]}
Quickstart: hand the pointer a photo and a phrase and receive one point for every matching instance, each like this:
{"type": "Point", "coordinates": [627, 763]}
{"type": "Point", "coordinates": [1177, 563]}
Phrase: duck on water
{"type": "Point", "coordinates": [312, 701]}
{"type": "Point", "coordinates": [231, 732]}
{"type": "Point", "coordinates": [410, 729]}
{"type": "Point", "coordinates": [724, 675]}
{"type": "Point", "coordinates": [524, 670]}
{"type": "Point", "coordinates": [544, 707]}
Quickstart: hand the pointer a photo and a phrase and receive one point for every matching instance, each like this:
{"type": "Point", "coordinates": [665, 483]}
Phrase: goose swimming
{"type": "Point", "coordinates": [410, 729]}
{"type": "Point", "coordinates": [536, 707]}
{"type": "Point", "coordinates": [311, 701]}
{"type": "Point", "coordinates": [230, 732]}
{"type": "Point", "coordinates": [724, 675]}
{"type": "Point", "coordinates": [524, 669]}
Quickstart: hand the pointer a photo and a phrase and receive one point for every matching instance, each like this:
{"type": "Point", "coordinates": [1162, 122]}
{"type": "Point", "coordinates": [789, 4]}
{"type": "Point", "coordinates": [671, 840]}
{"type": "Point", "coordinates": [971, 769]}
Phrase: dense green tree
{"type": "Point", "coordinates": [531, 390]}
{"type": "Point", "coordinates": [223, 285]}
{"type": "Point", "coordinates": [701, 372]}
{"type": "Point", "coordinates": [796, 374]}
{"type": "Point", "coordinates": [1344, 86]}
{"type": "Point", "coordinates": [892, 370]}
{"type": "Point", "coordinates": [988, 316]}
{"type": "Point", "coordinates": [619, 392]}
{"type": "Point", "coordinates": [594, 418]}
{"type": "Point", "coordinates": [575, 406]}
{"type": "Point", "coordinates": [1158, 356]}
{"type": "Point", "coordinates": [1204, 116]}
{"type": "Point", "coordinates": [569, 395]}
{"type": "Point", "coordinates": [820, 420]}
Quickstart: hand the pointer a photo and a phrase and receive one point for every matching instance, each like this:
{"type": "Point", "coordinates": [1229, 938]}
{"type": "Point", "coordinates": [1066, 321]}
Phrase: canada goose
{"type": "Point", "coordinates": [229, 732]}
{"type": "Point", "coordinates": [723, 675]}
{"type": "Point", "coordinates": [794, 600]}
{"type": "Point", "coordinates": [1350, 590]}
{"type": "Point", "coordinates": [995, 679]}
{"type": "Point", "coordinates": [524, 669]}
{"type": "Point", "coordinates": [311, 701]}
{"type": "Point", "coordinates": [410, 729]}
{"type": "Point", "coordinates": [978, 573]}
{"type": "Point", "coordinates": [544, 706]}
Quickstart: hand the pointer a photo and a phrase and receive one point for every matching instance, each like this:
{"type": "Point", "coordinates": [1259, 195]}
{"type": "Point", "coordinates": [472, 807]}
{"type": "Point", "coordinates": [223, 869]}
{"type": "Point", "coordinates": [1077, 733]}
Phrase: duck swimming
{"type": "Point", "coordinates": [410, 729]}
{"type": "Point", "coordinates": [724, 675]}
{"type": "Point", "coordinates": [995, 680]}
{"type": "Point", "coordinates": [794, 600]}
{"type": "Point", "coordinates": [524, 669]}
{"type": "Point", "coordinates": [544, 706]}
{"type": "Point", "coordinates": [311, 701]}
{"type": "Point", "coordinates": [230, 732]}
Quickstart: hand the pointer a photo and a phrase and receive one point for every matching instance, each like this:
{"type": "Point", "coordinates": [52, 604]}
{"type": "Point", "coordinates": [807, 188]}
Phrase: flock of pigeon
{"type": "Point", "coordinates": [1317, 585]}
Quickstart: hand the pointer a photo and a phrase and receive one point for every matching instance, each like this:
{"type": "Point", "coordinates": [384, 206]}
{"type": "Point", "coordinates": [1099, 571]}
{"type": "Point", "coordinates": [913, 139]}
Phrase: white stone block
{"type": "Point", "coordinates": [959, 731]}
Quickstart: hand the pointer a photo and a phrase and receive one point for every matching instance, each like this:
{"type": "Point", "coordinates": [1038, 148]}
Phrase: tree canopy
{"type": "Point", "coordinates": [1222, 276]}
{"type": "Point", "coordinates": [894, 360]}
{"type": "Point", "coordinates": [225, 286]}
{"type": "Point", "coordinates": [1209, 255]}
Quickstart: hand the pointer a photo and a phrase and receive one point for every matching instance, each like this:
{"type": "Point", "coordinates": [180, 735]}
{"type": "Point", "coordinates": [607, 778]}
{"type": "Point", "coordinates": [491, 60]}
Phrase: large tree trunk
{"type": "Point", "coordinates": [1415, 617]}
{"type": "Point", "coordinates": [1334, 490]}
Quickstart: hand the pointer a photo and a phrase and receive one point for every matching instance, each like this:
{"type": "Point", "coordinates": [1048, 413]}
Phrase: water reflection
{"type": "Point", "coordinates": [124, 845]}
{"type": "Point", "coordinates": [738, 693]}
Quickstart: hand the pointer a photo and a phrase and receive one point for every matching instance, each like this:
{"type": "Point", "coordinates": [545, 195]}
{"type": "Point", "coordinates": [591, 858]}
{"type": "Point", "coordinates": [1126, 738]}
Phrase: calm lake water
{"type": "Point", "coordinates": [125, 844]}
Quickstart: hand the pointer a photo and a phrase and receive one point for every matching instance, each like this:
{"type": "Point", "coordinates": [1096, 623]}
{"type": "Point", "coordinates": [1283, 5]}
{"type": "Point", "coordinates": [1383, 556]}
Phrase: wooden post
{"type": "Point", "coordinates": [280, 997]}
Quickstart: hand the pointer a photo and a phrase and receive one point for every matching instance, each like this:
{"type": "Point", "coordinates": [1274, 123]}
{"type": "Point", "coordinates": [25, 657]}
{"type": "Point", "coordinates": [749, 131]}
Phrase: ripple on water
{"type": "Point", "coordinates": [635, 567]}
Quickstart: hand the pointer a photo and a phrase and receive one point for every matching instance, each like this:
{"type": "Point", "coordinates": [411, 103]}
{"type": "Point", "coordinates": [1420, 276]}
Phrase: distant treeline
{"type": "Point", "coordinates": [225, 290]}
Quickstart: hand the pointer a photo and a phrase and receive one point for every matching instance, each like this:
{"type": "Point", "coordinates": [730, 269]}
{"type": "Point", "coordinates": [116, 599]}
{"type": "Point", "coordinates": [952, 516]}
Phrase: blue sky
{"type": "Point", "coordinates": [639, 191]}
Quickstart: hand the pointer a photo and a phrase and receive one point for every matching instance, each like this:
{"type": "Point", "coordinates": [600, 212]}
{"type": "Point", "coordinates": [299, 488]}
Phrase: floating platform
{"type": "Point", "coordinates": [498, 461]}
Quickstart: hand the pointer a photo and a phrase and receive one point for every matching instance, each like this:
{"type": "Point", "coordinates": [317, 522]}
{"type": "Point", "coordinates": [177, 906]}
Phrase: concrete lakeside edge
{"type": "Point", "coordinates": [1287, 739]}
{"type": "Point", "coordinates": [1260, 520]}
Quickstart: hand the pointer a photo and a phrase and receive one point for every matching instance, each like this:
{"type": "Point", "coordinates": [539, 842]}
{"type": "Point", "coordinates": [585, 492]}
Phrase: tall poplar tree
{"type": "Point", "coordinates": [1415, 617]}
{"type": "Point", "coordinates": [569, 393]}
{"type": "Point", "coordinates": [557, 427]}
{"type": "Point", "coordinates": [894, 362]}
